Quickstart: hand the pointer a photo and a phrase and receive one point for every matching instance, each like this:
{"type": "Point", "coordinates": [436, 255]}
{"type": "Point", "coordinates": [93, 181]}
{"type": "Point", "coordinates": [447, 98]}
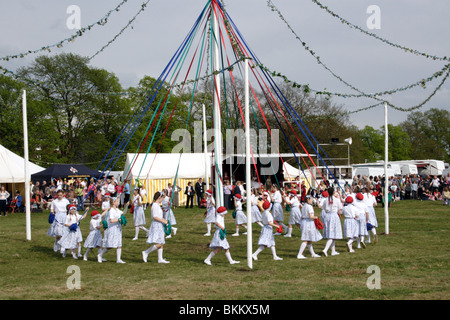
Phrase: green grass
{"type": "Point", "coordinates": [413, 261]}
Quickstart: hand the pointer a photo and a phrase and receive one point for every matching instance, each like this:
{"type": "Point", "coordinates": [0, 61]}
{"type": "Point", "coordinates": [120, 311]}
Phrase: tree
{"type": "Point", "coordinates": [429, 134]}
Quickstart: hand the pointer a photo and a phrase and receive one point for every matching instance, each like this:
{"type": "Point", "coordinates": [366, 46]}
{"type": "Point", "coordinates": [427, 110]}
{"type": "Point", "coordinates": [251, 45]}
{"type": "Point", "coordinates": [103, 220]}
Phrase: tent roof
{"type": "Point", "coordinates": [65, 171]}
{"type": "Point", "coordinates": [13, 167]}
{"type": "Point", "coordinates": [164, 166]}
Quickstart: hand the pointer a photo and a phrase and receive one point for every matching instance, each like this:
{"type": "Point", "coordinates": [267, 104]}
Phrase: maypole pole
{"type": "Point", "coordinates": [216, 105]}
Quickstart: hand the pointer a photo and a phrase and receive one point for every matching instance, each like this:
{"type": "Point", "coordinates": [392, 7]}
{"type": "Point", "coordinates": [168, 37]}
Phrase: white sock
{"type": "Point", "coordinates": [160, 254]}
{"type": "Point", "coordinates": [211, 255]}
{"type": "Point", "coordinates": [333, 246]}
{"type": "Point", "coordinates": [274, 252]}
{"type": "Point", "coordinates": [358, 241]}
{"type": "Point", "coordinates": [237, 229]}
{"type": "Point", "coordinates": [79, 248]}
{"type": "Point", "coordinates": [327, 246]}
{"type": "Point", "coordinates": [208, 227]}
{"type": "Point", "coordinates": [119, 253]}
{"type": "Point", "coordinates": [374, 231]}
{"type": "Point", "coordinates": [311, 250]}
{"type": "Point", "coordinates": [151, 249]}
{"type": "Point", "coordinates": [228, 255]}
{"type": "Point", "coordinates": [350, 243]}
{"type": "Point", "coordinates": [136, 232]}
{"type": "Point", "coordinates": [289, 231]}
{"type": "Point", "coordinates": [302, 248]}
{"type": "Point", "coordinates": [87, 251]}
{"type": "Point", "coordinates": [261, 248]}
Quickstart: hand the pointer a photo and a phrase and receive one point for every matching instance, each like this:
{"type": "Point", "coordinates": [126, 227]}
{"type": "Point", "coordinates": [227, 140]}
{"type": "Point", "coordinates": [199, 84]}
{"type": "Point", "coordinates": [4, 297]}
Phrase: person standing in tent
{"type": "Point", "coordinates": [156, 233]}
{"type": "Point", "coordinates": [199, 190]}
{"type": "Point", "coordinates": [219, 240]}
{"type": "Point", "coordinates": [189, 192]}
{"type": "Point", "coordinates": [143, 193]}
{"type": "Point", "coordinates": [4, 195]}
{"type": "Point", "coordinates": [168, 213]}
{"type": "Point", "coordinates": [210, 212]}
{"type": "Point", "coordinates": [138, 214]}
{"type": "Point", "coordinates": [58, 212]}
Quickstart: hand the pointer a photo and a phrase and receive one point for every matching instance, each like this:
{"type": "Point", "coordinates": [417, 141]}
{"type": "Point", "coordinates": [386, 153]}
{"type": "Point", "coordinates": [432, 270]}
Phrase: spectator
{"type": "Point", "coordinates": [189, 192]}
{"type": "Point", "coordinates": [199, 190]}
{"type": "Point", "coordinates": [4, 195]}
{"type": "Point", "coordinates": [227, 192]}
{"type": "Point", "coordinates": [446, 196]}
{"type": "Point", "coordinates": [414, 189]}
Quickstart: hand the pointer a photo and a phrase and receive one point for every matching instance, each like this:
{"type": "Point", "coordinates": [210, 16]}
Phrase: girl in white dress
{"type": "Point", "coordinates": [113, 234]}
{"type": "Point", "coordinates": [363, 216]}
{"type": "Point", "coordinates": [241, 218]}
{"type": "Point", "coordinates": [94, 239]}
{"type": "Point", "coordinates": [168, 213]}
{"type": "Point", "coordinates": [210, 212]}
{"type": "Point", "coordinates": [156, 234]}
{"type": "Point", "coordinates": [277, 209]}
{"type": "Point", "coordinates": [71, 239]}
{"type": "Point", "coordinates": [332, 229]}
{"type": "Point", "coordinates": [370, 201]}
{"type": "Point", "coordinates": [220, 242]}
{"type": "Point", "coordinates": [267, 239]}
{"type": "Point", "coordinates": [295, 217]}
{"type": "Point", "coordinates": [351, 226]}
{"type": "Point", "coordinates": [310, 233]}
{"type": "Point", "coordinates": [138, 213]}
{"type": "Point", "coordinates": [58, 209]}
{"type": "Point", "coordinates": [256, 213]}
{"type": "Point", "coordinates": [320, 203]}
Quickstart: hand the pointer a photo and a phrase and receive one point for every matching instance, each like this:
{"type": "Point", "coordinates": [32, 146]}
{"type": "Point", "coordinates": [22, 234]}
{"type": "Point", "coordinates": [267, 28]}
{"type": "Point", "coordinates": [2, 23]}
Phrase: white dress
{"type": "Point", "coordinates": [295, 216]}
{"type": "Point", "coordinates": [210, 211]}
{"type": "Point", "coordinates": [70, 239]}
{"type": "Point", "coordinates": [138, 211]}
{"type": "Point", "coordinates": [309, 230]}
{"type": "Point", "coordinates": [369, 200]}
{"type": "Point", "coordinates": [216, 242]}
{"type": "Point", "coordinates": [277, 209]}
{"type": "Point", "coordinates": [94, 239]}
{"type": "Point", "coordinates": [351, 225]}
{"type": "Point", "coordinates": [266, 237]}
{"type": "Point", "coordinates": [362, 222]}
{"type": "Point", "coordinates": [156, 233]}
{"type": "Point", "coordinates": [332, 228]}
{"type": "Point", "coordinates": [59, 208]}
{"type": "Point", "coordinates": [241, 218]}
{"type": "Point", "coordinates": [167, 211]}
{"type": "Point", "coordinates": [256, 214]}
{"type": "Point", "coordinates": [113, 234]}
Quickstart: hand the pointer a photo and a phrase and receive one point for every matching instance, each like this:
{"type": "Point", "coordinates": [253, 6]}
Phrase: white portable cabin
{"type": "Point", "coordinates": [408, 169]}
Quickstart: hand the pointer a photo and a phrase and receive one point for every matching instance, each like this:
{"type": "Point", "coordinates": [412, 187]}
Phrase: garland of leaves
{"type": "Point", "coordinates": [362, 94]}
{"type": "Point", "coordinates": [353, 26]}
{"type": "Point", "coordinates": [122, 30]}
{"type": "Point", "coordinates": [72, 38]}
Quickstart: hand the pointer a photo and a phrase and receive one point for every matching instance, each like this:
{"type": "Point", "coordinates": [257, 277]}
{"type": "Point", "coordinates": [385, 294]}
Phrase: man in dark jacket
{"type": "Point", "coordinates": [199, 190]}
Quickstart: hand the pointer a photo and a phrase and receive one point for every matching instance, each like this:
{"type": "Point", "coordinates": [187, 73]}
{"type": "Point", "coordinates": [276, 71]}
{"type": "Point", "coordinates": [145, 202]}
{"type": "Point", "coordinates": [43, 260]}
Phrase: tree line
{"type": "Point", "coordinates": [76, 112]}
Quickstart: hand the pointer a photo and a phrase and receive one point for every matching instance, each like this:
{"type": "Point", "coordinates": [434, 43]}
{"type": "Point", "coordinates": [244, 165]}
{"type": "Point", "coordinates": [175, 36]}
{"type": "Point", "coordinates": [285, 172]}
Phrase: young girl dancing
{"type": "Point", "coordinates": [210, 212]}
{"type": "Point", "coordinates": [310, 233]}
{"type": "Point", "coordinates": [219, 240]}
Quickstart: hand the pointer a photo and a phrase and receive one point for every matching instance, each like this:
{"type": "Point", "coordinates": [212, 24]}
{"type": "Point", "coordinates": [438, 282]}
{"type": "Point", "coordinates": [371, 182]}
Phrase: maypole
{"type": "Point", "coordinates": [216, 105]}
{"type": "Point", "coordinates": [248, 192]}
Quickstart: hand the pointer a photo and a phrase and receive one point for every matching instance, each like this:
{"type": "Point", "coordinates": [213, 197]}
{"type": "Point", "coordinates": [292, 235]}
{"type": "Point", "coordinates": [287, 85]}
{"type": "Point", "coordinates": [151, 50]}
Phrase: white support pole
{"type": "Point", "coordinates": [217, 119]}
{"type": "Point", "coordinates": [207, 167]}
{"type": "Point", "coordinates": [27, 171]}
{"type": "Point", "coordinates": [248, 183]}
{"type": "Point", "coordinates": [386, 182]}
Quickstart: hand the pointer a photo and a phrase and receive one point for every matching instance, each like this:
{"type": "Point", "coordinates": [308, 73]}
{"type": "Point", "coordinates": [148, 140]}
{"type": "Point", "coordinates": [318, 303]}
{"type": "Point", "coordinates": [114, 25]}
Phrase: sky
{"type": "Point", "coordinates": [360, 60]}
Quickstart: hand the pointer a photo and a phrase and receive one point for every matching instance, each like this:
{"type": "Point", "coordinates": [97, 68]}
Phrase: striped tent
{"type": "Point", "coordinates": [156, 171]}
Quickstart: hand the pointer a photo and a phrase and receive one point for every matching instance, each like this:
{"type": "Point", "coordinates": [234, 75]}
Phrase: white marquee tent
{"type": "Point", "coordinates": [12, 167]}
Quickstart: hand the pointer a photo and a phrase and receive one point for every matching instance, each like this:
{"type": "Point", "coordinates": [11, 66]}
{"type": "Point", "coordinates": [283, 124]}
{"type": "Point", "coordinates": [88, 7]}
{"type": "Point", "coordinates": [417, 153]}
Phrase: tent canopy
{"type": "Point", "coordinates": [164, 166]}
{"type": "Point", "coordinates": [65, 171]}
{"type": "Point", "coordinates": [292, 172]}
{"type": "Point", "coordinates": [12, 167]}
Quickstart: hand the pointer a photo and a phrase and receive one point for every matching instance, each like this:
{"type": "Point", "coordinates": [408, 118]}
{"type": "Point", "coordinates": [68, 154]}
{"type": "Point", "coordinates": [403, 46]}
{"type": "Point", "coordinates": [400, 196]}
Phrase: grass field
{"type": "Point", "coordinates": [413, 261]}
